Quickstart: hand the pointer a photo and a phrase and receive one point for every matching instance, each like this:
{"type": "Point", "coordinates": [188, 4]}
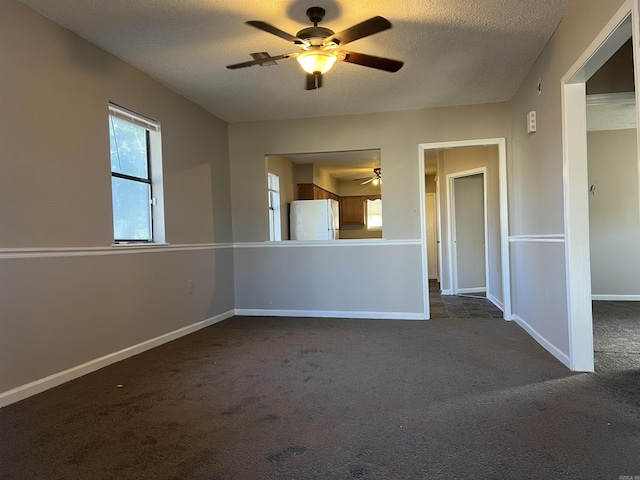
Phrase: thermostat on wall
{"type": "Point", "coordinates": [531, 122]}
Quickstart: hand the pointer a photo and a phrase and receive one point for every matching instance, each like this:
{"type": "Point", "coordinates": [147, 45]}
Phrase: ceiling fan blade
{"type": "Point", "coordinates": [314, 81]}
{"type": "Point", "coordinates": [361, 30]}
{"type": "Point", "coordinates": [381, 63]}
{"type": "Point", "coordinates": [275, 31]}
{"type": "Point", "coordinates": [260, 61]}
{"type": "Point", "coordinates": [368, 181]}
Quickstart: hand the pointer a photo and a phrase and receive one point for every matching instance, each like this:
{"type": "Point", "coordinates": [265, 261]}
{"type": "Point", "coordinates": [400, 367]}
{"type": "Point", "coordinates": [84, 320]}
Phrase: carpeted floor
{"type": "Point", "coordinates": [300, 398]}
{"type": "Point", "coordinates": [616, 335]}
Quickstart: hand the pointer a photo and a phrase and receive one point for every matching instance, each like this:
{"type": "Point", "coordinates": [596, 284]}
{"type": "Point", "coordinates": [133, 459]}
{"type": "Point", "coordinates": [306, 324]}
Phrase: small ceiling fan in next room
{"type": "Point", "coordinates": [320, 48]}
{"type": "Point", "coordinates": [376, 179]}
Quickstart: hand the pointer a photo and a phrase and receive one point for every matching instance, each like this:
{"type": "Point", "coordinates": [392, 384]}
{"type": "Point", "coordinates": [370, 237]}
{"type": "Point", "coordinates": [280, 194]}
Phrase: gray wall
{"type": "Point", "coordinates": [614, 219]}
{"type": "Point", "coordinates": [72, 297]}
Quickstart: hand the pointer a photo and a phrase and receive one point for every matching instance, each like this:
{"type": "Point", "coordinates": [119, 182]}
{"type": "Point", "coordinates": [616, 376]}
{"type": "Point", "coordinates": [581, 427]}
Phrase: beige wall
{"type": "Point", "coordinates": [614, 219]}
{"type": "Point", "coordinates": [324, 179]}
{"type": "Point", "coordinates": [75, 298]}
{"type": "Point", "coordinates": [397, 134]}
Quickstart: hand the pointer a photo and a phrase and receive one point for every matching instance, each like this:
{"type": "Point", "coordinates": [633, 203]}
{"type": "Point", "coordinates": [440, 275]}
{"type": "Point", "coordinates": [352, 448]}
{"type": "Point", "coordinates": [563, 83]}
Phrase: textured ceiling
{"type": "Point", "coordinates": [456, 52]}
{"type": "Point", "coordinates": [343, 166]}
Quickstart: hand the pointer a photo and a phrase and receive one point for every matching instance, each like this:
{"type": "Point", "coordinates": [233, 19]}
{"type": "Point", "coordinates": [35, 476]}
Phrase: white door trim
{"type": "Point", "coordinates": [576, 207]}
{"type": "Point", "coordinates": [504, 212]}
{"type": "Point", "coordinates": [436, 231]}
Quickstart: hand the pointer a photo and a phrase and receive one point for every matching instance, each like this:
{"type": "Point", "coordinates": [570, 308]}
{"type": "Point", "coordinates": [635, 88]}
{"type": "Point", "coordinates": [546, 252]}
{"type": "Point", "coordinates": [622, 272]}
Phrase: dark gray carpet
{"type": "Point", "coordinates": [616, 335]}
{"type": "Point", "coordinates": [278, 398]}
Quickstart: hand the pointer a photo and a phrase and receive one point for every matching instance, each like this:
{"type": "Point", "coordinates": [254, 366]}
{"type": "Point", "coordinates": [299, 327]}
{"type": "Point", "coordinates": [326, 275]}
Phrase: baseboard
{"type": "Point", "coordinates": [495, 301]}
{"type": "Point", "coordinates": [445, 292]}
{"type": "Point", "coordinates": [38, 386]}
{"type": "Point", "coordinates": [330, 314]}
{"type": "Point", "coordinates": [617, 298]}
{"type": "Point", "coordinates": [546, 344]}
{"type": "Point", "coordinates": [472, 290]}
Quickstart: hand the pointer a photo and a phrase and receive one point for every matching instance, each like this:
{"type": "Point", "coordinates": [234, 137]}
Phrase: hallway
{"type": "Point", "coordinates": [454, 306]}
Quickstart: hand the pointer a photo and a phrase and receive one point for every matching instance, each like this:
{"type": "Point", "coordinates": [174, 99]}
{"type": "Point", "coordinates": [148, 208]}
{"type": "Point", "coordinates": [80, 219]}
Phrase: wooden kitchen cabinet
{"type": "Point", "coordinates": [310, 191]}
{"type": "Point", "coordinates": [352, 210]}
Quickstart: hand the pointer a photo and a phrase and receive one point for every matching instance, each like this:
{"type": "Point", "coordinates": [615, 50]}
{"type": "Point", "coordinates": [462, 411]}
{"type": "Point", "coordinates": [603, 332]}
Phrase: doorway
{"type": "Point", "coordinates": [499, 288]}
{"type": "Point", "coordinates": [576, 183]}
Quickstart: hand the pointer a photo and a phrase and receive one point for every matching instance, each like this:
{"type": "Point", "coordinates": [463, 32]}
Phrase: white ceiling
{"type": "Point", "coordinates": [456, 52]}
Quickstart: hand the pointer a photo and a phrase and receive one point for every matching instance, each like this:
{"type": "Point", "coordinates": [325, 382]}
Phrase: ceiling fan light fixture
{"type": "Point", "coordinates": [316, 61]}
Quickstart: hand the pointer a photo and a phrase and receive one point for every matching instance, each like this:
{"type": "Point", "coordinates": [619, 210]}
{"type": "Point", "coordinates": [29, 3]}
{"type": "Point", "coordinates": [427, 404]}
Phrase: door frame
{"type": "Point", "coordinates": [504, 213]}
{"type": "Point", "coordinates": [451, 227]}
{"type": "Point", "coordinates": [623, 25]}
{"type": "Point", "coordinates": [437, 234]}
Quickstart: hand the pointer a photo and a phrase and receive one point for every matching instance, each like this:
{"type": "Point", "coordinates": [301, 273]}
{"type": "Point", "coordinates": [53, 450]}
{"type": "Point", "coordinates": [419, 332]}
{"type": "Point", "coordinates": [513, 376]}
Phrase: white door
{"type": "Point", "coordinates": [469, 234]}
{"type": "Point", "coordinates": [432, 235]}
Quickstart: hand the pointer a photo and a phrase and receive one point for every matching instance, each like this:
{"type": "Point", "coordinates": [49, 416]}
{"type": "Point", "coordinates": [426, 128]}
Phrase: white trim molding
{"type": "Point", "coordinates": [373, 242]}
{"type": "Point", "coordinates": [546, 344]}
{"type": "Point", "coordinates": [258, 312]}
{"type": "Point", "coordinates": [545, 238]}
{"type": "Point", "coordinates": [38, 386]}
{"type": "Point", "coordinates": [616, 298]}
{"type": "Point", "coordinates": [121, 249]}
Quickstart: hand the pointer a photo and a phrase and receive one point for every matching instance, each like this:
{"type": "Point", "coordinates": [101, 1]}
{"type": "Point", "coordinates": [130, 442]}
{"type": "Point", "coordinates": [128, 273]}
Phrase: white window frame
{"type": "Point", "coordinates": [368, 217]}
{"type": "Point", "coordinates": [275, 223]}
{"type": "Point", "coordinates": [155, 171]}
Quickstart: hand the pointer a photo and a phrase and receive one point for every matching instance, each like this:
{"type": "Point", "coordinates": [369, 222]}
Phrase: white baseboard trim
{"type": "Point", "coordinates": [445, 292]}
{"type": "Point", "coordinates": [617, 298]}
{"type": "Point", "coordinates": [472, 290]}
{"type": "Point", "coordinates": [249, 312]}
{"type": "Point", "coordinates": [38, 386]}
{"type": "Point", "coordinates": [546, 344]}
{"type": "Point", "coordinates": [496, 302]}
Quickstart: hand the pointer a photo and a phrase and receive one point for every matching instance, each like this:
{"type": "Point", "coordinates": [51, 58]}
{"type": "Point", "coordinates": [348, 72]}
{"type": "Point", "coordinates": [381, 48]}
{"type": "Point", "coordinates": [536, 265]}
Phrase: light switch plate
{"type": "Point", "coordinates": [531, 122]}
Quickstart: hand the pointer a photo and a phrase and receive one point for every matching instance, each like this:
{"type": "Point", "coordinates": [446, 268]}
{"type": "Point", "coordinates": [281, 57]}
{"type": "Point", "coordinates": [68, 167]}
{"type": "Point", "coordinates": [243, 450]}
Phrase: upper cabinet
{"type": "Point", "coordinates": [309, 191]}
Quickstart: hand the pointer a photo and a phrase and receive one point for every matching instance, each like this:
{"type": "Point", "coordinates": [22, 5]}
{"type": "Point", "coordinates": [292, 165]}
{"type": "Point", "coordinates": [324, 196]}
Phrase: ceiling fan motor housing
{"type": "Point", "coordinates": [315, 14]}
{"type": "Point", "coordinates": [314, 35]}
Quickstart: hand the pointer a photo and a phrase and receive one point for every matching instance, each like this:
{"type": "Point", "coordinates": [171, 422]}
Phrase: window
{"type": "Point", "coordinates": [136, 177]}
{"type": "Point", "coordinates": [273, 186]}
{"type": "Point", "coordinates": [374, 214]}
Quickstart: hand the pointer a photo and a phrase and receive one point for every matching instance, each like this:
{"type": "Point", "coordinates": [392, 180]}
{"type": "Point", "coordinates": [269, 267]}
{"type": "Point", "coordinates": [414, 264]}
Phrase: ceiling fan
{"type": "Point", "coordinates": [321, 47]}
{"type": "Point", "coordinates": [376, 179]}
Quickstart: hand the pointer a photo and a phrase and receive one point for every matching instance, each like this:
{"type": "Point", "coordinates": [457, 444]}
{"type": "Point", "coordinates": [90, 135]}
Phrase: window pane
{"type": "Point", "coordinates": [273, 181]}
{"type": "Point", "coordinates": [374, 214]}
{"type": "Point", "coordinates": [128, 148]}
{"type": "Point", "coordinates": [131, 209]}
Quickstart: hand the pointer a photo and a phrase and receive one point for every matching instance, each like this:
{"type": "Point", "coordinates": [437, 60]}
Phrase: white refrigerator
{"type": "Point", "coordinates": [314, 220]}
